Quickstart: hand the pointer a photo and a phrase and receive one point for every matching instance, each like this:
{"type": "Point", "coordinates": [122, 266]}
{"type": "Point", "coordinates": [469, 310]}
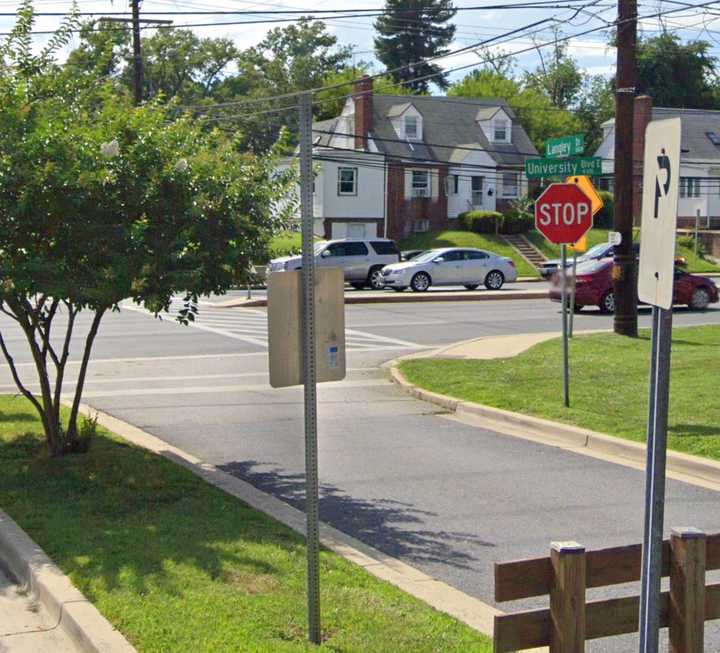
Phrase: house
{"type": "Point", "coordinates": [699, 160]}
{"type": "Point", "coordinates": [393, 165]}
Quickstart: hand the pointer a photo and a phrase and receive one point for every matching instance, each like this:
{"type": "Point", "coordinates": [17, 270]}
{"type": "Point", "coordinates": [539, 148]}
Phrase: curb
{"type": "Point", "coordinates": [685, 467]}
{"type": "Point", "coordinates": [28, 564]}
{"type": "Point", "coordinates": [437, 594]}
{"type": "Point", "coordinates": [403, 298]}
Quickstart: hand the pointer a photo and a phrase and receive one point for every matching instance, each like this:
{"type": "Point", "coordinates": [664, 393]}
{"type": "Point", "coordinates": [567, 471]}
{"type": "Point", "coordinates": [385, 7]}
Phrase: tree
{"type": "Point", "coordinates": [102, 202]}
{"type": "Point", "coordinates": [558, 75]}
{"type": "Point", "coordinates": [409, 33]}
{"type": "Point", "coordinates": [540, 119]}
{"type": "Point", "coordinates": [596, 105]}
{"type": "Point", "coordinates": [676, 74]}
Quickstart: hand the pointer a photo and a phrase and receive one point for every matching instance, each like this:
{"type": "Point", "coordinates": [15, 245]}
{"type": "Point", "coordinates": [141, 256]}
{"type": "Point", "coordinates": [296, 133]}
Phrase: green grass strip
{"type": "Point", "coordinates": [608, 385]}
{"type": "Point", "coordinates": [177, 565]}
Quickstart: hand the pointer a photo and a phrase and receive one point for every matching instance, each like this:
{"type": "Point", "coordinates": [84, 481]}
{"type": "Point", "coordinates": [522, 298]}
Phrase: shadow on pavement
{"type": "Point", "coordinates": [392, 526]}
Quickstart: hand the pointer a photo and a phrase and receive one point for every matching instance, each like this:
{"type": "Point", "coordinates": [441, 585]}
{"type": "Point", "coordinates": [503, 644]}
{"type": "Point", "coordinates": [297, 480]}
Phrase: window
{"type": "Point", "coordinates": [455, 255]}
{"type": "Point", "coordinates": [420, 183]}
{"type": "Point", "coordinates": [475, 256]}
{"type": "Point", "coordinates": [347, 181]}
{"type": "Point", "coordinates": [411, 127]}
{"type": "Point", "coordinates": [689, 186]}
{"type": "Point", "coordinates": [510, 181]}
{"type": "Point", "coordinates": [384, 247]}
{"type": "Point", "coordinates": [477, 184]}
{"type": "Point", "coordinates": [714, 138]}
{"type": "Point", "coordinates": [500, 130]}
{"type": "Point", "coordinates": [421, 226]}
{"type": "Point", "coordinates": [348, 249]}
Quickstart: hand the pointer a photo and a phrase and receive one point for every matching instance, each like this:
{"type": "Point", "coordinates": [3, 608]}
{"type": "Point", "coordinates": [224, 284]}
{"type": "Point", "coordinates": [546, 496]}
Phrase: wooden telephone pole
{"type": "Point", "coordinates": [624, 275]}
{"type": "Point", "coordinates": [138, 74]}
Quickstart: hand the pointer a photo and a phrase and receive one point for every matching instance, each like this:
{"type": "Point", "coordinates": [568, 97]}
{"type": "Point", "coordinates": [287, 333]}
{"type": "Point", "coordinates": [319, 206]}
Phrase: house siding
{"type": "Point", "coordinates": [403, 210]}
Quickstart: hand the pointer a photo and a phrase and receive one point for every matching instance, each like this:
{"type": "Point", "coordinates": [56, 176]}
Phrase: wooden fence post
{"type": "Point", "coordinates": [687, 590]}
{"type": "Point", "coordinates": [567, 598]}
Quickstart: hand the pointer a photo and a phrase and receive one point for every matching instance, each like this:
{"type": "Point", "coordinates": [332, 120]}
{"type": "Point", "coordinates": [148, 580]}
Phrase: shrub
{"type": "Point", "coordinates": [481, 222]}
{"type": "Point", "coordinates": [605, 216]}
{"type": "Point", "coordinates": [519, 217]}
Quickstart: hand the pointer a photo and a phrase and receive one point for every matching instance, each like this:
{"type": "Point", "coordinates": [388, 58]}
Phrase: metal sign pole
{"type": "Point", "coordinates": [309, 371]}
{"type": "Point", "coordinates": [564, 297]}
{"type": "Point", "coordinates": [655, 480]}
{"type": "Point", "coordinates": [572, 294]}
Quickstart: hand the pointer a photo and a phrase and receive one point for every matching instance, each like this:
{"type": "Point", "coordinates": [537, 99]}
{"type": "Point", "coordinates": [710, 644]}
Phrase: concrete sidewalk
{"type": "Point", "coordinates": [25, 626]}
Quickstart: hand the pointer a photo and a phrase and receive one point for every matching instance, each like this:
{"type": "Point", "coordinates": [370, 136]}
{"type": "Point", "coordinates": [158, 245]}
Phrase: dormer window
{"type": "Point", "coordinates": [500, 130]}
{"type": "Point", "coordinates": [411, 127]}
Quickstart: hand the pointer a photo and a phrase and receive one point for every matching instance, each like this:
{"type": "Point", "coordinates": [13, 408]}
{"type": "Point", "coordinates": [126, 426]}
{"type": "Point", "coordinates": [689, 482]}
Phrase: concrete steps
{"type": "Point", "coordinates": [526, 249]}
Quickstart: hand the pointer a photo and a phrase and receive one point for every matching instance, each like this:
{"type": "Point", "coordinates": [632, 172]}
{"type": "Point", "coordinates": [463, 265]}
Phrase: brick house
{"type": "Point", "coordinates": [699, 160]}
{"type": "Point", "coordinates": [393, 165]}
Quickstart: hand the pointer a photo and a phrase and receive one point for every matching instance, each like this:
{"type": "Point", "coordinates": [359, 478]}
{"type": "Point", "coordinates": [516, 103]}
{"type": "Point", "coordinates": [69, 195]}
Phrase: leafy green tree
{"type": "Point", "coordinates": [596, 105]}
{"type": "Point", "coordinates": [558, 75]}
{"type": "Point", "coordinates": [102, 202]}
{"type": "Point", "coordinates": [409, 33]}
{"type": "Point", "coordinates": [677, 74]}
{"type": "Point", "coordinates": [533, 108]}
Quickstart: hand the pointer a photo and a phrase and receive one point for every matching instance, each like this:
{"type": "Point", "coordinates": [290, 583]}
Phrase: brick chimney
{"type": "Point", "coordinates": [363, 97]}
{"type": "Point", "coordinates": [642, 115]}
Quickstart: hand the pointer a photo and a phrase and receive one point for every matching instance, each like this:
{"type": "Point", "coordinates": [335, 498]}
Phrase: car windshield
{"type": "Point", "coordinates": [597, 250]}
{"type": "Point", "coordinates": [319, 246]}
{"type": "Point", "coordinates": [427, 256]}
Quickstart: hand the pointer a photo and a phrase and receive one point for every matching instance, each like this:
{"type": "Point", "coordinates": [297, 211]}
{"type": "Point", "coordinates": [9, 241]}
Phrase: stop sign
{"type": "Point", "coordinates": [563, 213]}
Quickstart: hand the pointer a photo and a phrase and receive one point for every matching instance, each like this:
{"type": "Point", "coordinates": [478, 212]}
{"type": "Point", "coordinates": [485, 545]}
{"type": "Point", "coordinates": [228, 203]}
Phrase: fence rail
{"type": "Point", "coordinates": [570, 570]}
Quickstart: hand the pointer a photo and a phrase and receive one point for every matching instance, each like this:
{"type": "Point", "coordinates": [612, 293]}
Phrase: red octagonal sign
{"type": "Point", "coordinates": [563, 214]}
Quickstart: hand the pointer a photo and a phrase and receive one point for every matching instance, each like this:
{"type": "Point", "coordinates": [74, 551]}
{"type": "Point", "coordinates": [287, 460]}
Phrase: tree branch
{"type": "Point", "coordinates": [18, 382]}
{"type": "Point", "coordinates": [60, 364]}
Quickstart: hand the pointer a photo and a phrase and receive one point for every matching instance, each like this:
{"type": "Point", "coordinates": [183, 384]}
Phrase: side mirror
{"type": "Point", "coordinates": [325, 253]}
{"type": "Point", "coordinates": [440, 259]}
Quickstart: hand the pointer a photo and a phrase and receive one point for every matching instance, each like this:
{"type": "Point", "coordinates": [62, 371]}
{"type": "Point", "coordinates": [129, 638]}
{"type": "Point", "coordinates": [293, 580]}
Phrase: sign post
{"type": "Point", "coordinates": [655, 287]}
{"type": "Point", "coordinates": [563, 214]}
{"type": "Point", "coordinates": [581, 247]}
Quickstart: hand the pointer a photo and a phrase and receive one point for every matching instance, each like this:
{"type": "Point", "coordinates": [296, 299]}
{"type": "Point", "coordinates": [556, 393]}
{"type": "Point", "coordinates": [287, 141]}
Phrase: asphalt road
{"type": "Point", "coordinates": [395, 472]}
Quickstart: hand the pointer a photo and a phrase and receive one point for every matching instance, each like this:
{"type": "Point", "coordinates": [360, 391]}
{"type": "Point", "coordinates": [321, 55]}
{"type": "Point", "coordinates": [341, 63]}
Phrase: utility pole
{"type": "Point", "coordinates": [137, 54]}
{"type": "Point", "coordinates": [138, 76]}
{"type": "Point", "coordinates": [624, 264]}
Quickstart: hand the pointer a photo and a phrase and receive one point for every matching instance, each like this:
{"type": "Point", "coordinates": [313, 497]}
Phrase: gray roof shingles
{"type": "Point", "coordinates": [695, 125]}
{"type": "Point", "coordinates": [446, 121]}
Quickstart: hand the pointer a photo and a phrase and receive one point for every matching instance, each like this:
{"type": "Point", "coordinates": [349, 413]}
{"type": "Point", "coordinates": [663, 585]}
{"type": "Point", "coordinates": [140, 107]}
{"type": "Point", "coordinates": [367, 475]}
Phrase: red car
{"type": "Point", "coordinates": [594, 287]}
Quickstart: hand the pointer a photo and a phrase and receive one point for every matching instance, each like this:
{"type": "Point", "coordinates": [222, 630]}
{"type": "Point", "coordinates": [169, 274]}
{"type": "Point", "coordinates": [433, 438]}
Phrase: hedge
{"type": "Point", "coordinates": [481, 222]}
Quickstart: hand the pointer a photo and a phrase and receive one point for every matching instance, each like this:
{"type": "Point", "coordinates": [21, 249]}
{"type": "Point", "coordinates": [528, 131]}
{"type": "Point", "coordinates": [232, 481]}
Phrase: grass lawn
{"type": "Point", "coordinates": [608, 385]}
{"type": "Point", "coordinates": [595, 236]}
{"type": "Point", "coordinates": [489, 242]}
{"type": "Point", "coordinates": [178, 565]}
{"type": "Point", "coordinates": [285, 243]}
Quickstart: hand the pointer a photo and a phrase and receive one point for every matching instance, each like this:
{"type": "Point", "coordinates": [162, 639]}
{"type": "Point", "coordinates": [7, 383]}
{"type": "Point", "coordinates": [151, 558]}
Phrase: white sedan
{"type": "Point", "coordinates": [450, 266]}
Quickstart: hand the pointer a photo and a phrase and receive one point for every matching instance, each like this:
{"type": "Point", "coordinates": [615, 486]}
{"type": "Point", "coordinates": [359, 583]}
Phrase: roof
{"type": "Point", "coordinates": [696, 124]}
{"type": "Point", "coordinates": [446, 122]}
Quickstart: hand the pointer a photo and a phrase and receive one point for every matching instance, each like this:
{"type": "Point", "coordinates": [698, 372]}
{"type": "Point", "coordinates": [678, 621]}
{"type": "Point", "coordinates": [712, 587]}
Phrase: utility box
{"type": "Point", "coordinates": [284, 310]}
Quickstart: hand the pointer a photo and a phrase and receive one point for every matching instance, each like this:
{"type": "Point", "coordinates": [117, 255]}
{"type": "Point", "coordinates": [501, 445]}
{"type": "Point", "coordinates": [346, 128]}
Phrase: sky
{"type": "Point", "coordinates": [591, 50]}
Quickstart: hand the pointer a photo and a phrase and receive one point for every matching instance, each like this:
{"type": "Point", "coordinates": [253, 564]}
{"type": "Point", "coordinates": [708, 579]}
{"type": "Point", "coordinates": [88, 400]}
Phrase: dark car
{"type": "Point", "coordinates": [594, 287]}
{"type": "Point", "coordinates": [595, 253]}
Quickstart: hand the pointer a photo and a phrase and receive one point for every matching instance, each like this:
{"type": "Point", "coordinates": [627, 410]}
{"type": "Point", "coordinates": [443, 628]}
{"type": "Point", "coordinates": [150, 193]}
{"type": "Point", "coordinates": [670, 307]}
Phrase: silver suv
{"type": "Point", "coordinates": [361, 259]}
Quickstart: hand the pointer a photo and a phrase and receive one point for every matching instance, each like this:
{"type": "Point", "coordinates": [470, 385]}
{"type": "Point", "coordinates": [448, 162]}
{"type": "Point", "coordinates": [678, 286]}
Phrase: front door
{"type": "Point", "coordinates": [447, 268]}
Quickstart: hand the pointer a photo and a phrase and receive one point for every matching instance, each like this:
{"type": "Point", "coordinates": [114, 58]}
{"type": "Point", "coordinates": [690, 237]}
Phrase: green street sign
{"type": "Point", "coordinates": [586, 165]}
{"type": "Point", "coordinates": [565, 146]}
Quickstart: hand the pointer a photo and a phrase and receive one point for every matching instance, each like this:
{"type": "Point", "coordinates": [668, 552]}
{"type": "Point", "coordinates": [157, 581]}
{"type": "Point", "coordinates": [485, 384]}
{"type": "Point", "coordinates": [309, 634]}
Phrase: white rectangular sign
{"type": "Point", "coordinates": [661, 176]}
{"type": "Point", "coordinates": [285, 327]}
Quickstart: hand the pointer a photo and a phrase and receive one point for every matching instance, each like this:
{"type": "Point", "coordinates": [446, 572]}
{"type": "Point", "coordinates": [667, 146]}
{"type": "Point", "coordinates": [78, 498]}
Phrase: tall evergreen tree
{"type": "Point", "coordinates": [409, 32]}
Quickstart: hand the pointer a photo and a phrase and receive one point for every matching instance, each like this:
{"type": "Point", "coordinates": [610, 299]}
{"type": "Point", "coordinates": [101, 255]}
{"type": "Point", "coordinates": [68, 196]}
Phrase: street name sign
{"type": "Point", "coordinates": [563, 213]}
{"type": "Point", "coordinates": [661, 178]}
{"type": "Point", "coordinates": [590, 166]}
{"type": "Point", "coordinates": [565, 146]}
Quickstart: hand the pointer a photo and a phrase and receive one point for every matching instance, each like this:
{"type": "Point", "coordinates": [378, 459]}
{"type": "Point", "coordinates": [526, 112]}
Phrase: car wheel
{"type": "Point", "coordinates": [420, 282]}
{"type": "Point", "coordinates": [578, 308]}
{"type": "Point", "coordinates": [607, 303]}
{"type": "Point", "coordinates": [375, 279]}
{"type": "Point", "coordinates": [700, 299]}
{"type": "Point", "coordinates": [494, 280]}
{"type": "Point", "coordinates": [358, 286]}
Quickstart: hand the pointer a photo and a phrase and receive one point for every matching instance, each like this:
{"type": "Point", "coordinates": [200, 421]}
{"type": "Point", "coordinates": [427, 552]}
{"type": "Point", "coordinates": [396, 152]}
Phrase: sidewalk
{"type": "Point", "coordinates": [25, 627]}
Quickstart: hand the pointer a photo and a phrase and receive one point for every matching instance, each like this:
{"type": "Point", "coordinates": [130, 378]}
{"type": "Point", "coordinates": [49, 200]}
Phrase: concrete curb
{"type": "Point", "coordinates": [437, 594]}
{"type": "Point", "coordinates": [407, 297]}
{"type": "Point", "coordinates": [685, 467]}
{"type": "Point", "coordinates": [28, 564]}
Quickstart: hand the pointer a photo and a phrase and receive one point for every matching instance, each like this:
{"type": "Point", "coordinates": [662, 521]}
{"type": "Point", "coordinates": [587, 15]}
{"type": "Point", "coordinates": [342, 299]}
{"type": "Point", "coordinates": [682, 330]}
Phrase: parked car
{"type": "Point", "coordinates": [594, 287]}
{"type": "Point", "coordinates": [409, 254]}
{"type": "Point", "coordinates": [595, 253]}
{"type": "Point", "coordinates": [450, 266]}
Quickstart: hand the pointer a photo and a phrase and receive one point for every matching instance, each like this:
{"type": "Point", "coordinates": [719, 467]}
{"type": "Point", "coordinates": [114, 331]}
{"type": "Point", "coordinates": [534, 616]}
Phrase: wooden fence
{"type": "Point", "coordinates": [569, 571]}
